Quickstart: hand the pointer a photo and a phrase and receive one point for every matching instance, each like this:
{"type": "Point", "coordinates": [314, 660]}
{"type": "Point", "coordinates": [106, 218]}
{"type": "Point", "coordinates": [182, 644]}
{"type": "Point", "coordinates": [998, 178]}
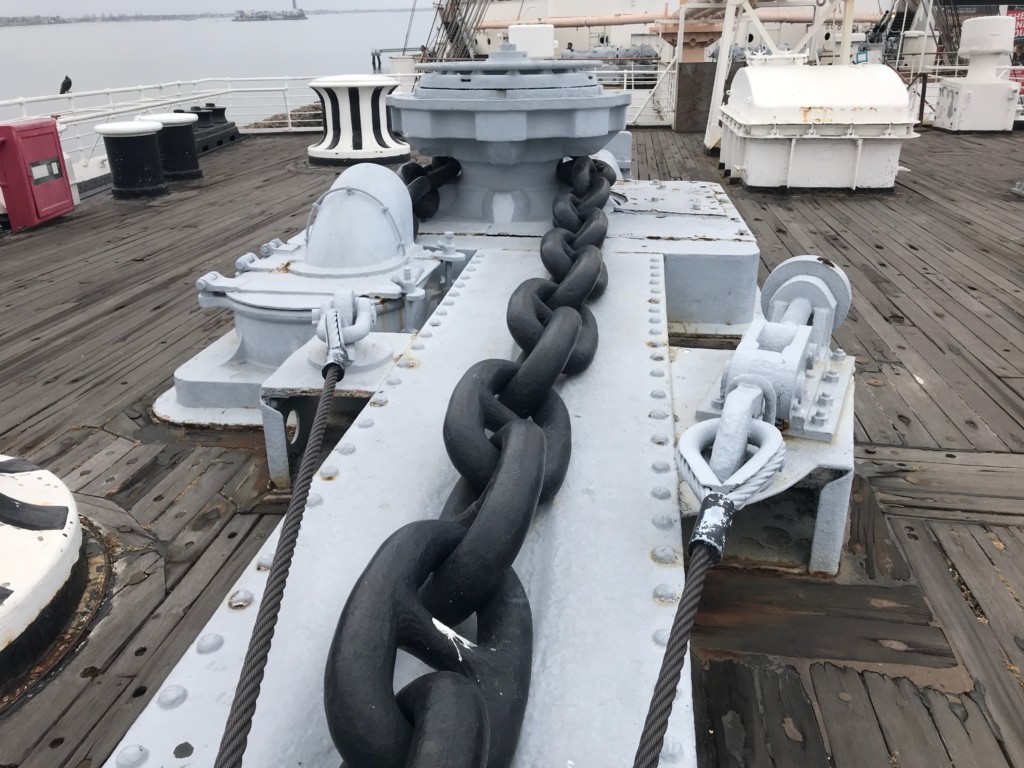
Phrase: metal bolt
{"type": "Point", "coordinates": [838, 354]}
{"type": "Point", "coordinates": [417, 345]}
{"type": "Point", "coordinates": [447, 302]}
{"type": "Point", "coordinates": [663, 522]}
{"type": "Point", "coordinates": [818, 417]}
{"type": "Point", "coordinates": [132, 756]}
{"type": "Point", "coordinates": [658, 414]}
{"type": "Point", "coordinates": [426, 334]}
{"type": "Point", "coordinates": [671, 752]}
{"type": "Point", "coordinates": [831, 376]}
{"type": "Point", "coordinates": [365, 423]}
{"type": "Point", "coordinates": [209, 643]}
{"type": "Point", "coordinates": [346, 449]}
{"type": "Point", "coordinates": [659, 439]}
{"type": "Point", "coordinates": [328, 472]}
{"type": "Point", "coordinates": [441, 312]}
{"type": "Point", "coordinates": [665, 555]}
{"type": "Point", "coordinates": [661, 492]}
{"type": "Point", "coordinates": [666, 593]}
{"type": "Point", "coordinates": [267, 560]}
{"type": "Point", "coordinates": [825, 398]}
{"type": "Point", "coordinates": [661, 467]}
{"type": "Point", "coordinates": [435, 322]}
{"type": "Point", "coordinates": [240, 598]}
{"type": "Point", "coordinates": [392, 381]}
{"type": "Point", "coordinates": [171, 697]}
{"type": "Point", "coordinates": [661, 637]}
{"type": "Point", "coordinates": [657, 373]}
{"type": "Point", "coordinates": [658, 394]}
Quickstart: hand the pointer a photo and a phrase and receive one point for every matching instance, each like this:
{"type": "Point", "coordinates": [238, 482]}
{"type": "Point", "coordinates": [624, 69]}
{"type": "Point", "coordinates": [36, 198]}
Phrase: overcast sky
{"type": "Point", "coordinates": [82, 7]}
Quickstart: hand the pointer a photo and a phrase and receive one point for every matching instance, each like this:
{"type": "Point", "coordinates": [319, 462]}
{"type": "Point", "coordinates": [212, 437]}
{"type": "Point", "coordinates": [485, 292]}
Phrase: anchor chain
{"type": "Point", "coordinates": [424, 181]}
{"type": "Point", "coordinates": [508, 433]}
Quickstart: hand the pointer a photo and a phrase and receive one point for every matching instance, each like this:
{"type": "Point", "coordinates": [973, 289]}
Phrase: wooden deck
{"type": "Point", "coordinates": [912, 657]}
{"type": "Point", "coordinates": [917, 659]}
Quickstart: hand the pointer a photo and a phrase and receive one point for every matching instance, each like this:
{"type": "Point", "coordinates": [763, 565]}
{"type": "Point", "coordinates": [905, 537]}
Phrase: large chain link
{"type": "Point", "coordinates": [508, 433]}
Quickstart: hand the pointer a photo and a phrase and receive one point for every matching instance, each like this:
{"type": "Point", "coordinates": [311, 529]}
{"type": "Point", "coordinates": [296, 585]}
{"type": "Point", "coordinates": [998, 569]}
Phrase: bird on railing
{"type": "Point", "coordinates": [65, 86]}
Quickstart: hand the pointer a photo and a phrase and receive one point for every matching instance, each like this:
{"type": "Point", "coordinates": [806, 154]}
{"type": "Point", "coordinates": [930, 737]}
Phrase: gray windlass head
{"type": "Point", "coordinates": [507, 120]}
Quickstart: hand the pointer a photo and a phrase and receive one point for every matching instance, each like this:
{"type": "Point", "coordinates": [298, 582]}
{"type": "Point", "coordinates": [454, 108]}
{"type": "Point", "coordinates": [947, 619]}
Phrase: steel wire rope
{"type": "Point", "coordinates": [649, 751]}
{"type": "Point", "coordinates": [706, 547]}
{"type": "Point", "coordinates": [243, 706]}
{"type": "Point", "coordinates": [408, 30]}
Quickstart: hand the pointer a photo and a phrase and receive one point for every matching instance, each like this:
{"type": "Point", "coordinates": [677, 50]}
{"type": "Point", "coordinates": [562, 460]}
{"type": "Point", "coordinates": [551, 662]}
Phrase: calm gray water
{"type": "Point", "coordinates": [112, 54]}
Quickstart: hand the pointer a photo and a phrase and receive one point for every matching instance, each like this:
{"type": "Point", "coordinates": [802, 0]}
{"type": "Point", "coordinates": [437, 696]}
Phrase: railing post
{"type": "Point", "coordinates": [924, 94]}
{"type": "Point", "coordinates": [287, 108]}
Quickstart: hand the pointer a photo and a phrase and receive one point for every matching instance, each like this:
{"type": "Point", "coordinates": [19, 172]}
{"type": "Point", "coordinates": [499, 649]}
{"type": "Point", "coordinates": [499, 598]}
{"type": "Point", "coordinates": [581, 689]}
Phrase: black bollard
{"type": "Point", "coordinates": [177, 141]}
{"type": "Point", "coordinates": [134, 157]}
{"type": "Point", "coordinates": [205, 117]}
{"type": "Point", "coordinates": [220, 114]}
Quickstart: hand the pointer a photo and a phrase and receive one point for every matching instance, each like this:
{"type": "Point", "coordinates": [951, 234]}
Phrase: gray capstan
{"type": "Point", "coordinates": [507, 120]}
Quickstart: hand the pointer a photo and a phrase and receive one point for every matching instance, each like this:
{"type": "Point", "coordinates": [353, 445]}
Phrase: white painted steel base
{"type": "Point", "coordinates": [601, 563]}
{"type": "Point", "coordinates": [34, 565]}
{"type": "Point", "coordinates": [824, 468]}
{"type": "Point", "coordinates": [608, 549]}
{"type": "Point", "coordinates": [356, 125]}
{"type": "Point", "coordinates": [295, 388]}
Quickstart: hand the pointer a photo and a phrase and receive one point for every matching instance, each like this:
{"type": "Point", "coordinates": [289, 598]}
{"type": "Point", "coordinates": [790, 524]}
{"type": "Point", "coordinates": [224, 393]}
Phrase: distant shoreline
{"type": "Point", "coordinates": [43, 21]}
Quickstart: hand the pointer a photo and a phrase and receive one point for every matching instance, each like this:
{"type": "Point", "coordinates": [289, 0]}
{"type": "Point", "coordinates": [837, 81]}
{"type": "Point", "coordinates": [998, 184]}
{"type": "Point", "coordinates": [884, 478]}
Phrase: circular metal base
{"type": "Point", "coordinates": [339, 162]}
{"type": "Point", "coordinates": [183, 175]}
{"type": "Point", "coordinates": [140, 194]}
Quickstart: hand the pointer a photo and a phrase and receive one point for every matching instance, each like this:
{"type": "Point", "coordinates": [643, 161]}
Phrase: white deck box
{"type": "Point", "coordinates": [795, 126]}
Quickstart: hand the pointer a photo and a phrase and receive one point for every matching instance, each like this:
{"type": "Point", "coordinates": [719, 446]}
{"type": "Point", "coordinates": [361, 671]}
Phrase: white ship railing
{"type": "Point", "coordinates": [266, 105]}
{"type": "Point", "coordinates": [250, 102]}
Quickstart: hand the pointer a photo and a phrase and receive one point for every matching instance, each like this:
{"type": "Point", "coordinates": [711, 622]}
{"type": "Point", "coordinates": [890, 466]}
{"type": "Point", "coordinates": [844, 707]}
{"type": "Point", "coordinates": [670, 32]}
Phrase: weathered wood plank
{"type": "Point", "coordinates": [974, 641]}
{"type": "Point", "coordinates": [768, 614]}
{"type": "Point", "coordinates": [854, 736]}
{"type": "Point", "coordinates": [906, 725]}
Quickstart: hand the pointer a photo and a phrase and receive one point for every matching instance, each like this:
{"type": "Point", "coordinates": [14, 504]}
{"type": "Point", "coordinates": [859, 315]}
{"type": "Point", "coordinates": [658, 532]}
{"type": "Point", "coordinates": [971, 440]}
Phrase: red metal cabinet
{"type": "Point", "coordinates": [33, 177]}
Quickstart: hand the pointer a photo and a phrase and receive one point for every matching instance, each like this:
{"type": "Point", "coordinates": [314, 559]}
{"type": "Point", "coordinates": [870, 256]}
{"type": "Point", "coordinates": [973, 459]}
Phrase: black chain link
{"type": "Point", "coordinates": [508, 433]}
{"type": "Point", "coordinates": [423, 183]}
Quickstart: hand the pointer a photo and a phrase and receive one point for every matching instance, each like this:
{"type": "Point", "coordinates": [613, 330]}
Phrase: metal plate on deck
{"type": "Point", "coordinates": [602, 563]}
{"type": "Point", "coordinates": [693, 198]}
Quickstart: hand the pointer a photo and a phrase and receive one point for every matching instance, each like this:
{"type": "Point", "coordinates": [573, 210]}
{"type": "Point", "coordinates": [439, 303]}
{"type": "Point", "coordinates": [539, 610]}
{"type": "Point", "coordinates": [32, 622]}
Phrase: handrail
{"type": "Point", "coordinates": [265, 105]}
